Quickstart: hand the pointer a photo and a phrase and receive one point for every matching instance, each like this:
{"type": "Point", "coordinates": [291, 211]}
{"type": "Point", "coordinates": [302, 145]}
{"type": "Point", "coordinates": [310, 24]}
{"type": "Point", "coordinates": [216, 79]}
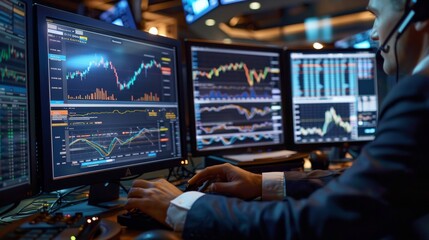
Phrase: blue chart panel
{"type": "Point", "coordinates": [323, 122]}
{"type": "Point", "coordinates": [231, 124]}
{"type": "Point", "coordinates": [237, 96]}
{"type": "Point", "coordinates": [94, 67]}
{"type": "Point", "coordinates": [106, 77]}
{"type": "Point", "coordinates": [12, 64]}
{"type": "Point", "coordinates": [92, 137]}
{"type": "Point", "coordinates": [330, 77]}
{"type": "Point", "coordinates": [224, 75]}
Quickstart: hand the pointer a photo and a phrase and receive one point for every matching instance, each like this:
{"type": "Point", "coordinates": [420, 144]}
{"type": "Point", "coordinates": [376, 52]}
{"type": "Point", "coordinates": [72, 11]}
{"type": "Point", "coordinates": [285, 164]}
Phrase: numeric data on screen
{"type": "Point", "coordinates": [14, 130]}
{"type": "Point", "coordinates": [334, 96]}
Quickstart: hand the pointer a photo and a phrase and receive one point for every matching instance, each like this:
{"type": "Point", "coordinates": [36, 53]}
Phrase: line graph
{"type": "Point", "coordinates": [11, 52]}
{"type": "Point", "coordinates": [147, 137]}
{"type": "Point", "coordinates": [331, 117]}
{"type": "Point", "coordinates": [219, 74]}
{"type": "Point", "coordinates": [324, 121]}
{"type": "Point", "coordinates": [252, 75]}
{"type": "Point", "coordinates": [248, 113]}
{"type": "Point", "coordinates": [106, 64]}
{"type": "Point", "coordinates": [227, 141]}
{"type": "Point", "coordinates": [226, 128]}
{"type": "Point", "coordinates": [12, 76]}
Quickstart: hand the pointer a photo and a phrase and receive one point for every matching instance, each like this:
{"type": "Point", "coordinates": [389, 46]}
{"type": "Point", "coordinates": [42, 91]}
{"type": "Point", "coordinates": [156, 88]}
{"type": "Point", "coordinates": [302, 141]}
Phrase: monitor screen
{"type": "Point", "coordinates": [120, 15]}
{"type": "Point", "coordinates": [195, 9]}
{"type": "Point", "coordinates": [16, 157]}
{"type": "Point", "coordinates": [334, 95]}
{"type": "Point", "coordinates": [109, 100]}
{"type": "Point", "coordinates": [236, 97]}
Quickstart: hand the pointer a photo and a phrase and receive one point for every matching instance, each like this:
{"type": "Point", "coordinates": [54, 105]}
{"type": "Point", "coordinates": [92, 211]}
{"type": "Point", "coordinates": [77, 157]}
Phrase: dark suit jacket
{"type": "Point", "coordinates": [380, 196]}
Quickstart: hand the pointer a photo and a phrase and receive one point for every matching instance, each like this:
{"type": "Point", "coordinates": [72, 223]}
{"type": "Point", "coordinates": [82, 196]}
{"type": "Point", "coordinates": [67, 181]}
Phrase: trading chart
{"type": "Point", "coordinates": [113, 100]}
{"type": "Point", "coordinates": [14, 122]}
{"type": "Point", "coordinates": [236, 98]}
{"type": "Point", "coordinates": [334, 96]}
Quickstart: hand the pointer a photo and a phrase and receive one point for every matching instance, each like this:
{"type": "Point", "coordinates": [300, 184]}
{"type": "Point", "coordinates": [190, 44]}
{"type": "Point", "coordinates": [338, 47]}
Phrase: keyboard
{"type": "Point", "coordinates": [62, 226]}
{"type": "Point", "coordinates": [136, 219]}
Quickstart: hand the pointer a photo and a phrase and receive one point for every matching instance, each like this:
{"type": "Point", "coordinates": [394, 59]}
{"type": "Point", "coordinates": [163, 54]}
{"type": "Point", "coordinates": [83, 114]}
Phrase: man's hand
{"type": "Point", "coordinates": [152, 197]}
{"type": "Point", "coordinates": [230, 180]}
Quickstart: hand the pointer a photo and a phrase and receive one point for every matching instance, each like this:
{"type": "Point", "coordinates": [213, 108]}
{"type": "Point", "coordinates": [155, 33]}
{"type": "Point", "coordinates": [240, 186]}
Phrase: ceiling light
{"type": "Point", "coordinates": [227, 40]}
{"type": "Point", "coordinates": [153, 30]}
{"type": "Point", "coordinates": [317, 45]}
{"type": "Point", "coordinates": [210, 22]}
{"type": "Point", "coordinates": [254, 5]}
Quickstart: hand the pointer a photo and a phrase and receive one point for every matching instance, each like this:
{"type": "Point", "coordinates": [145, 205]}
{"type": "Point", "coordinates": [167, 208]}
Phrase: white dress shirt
{"type": "Point", "coordinates": [273, 188]}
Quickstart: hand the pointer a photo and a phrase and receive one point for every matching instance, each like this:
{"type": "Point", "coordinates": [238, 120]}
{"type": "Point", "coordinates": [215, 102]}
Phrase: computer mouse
{"type": "Point", "coordinates": [159, 234]}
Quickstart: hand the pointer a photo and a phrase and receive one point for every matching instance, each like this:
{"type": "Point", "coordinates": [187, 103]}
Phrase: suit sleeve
{"type": "Point", "coordinates": [380, 195]}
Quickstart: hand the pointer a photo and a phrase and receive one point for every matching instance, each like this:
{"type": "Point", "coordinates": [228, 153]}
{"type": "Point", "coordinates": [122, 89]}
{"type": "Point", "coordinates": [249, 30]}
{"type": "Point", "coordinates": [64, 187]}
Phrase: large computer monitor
{"type": "Point", "coordinates": [333, 96]}
{"type": "Point", "coordinates": [235, 94]}
{"type": "Point", "coordinates": [17, 148]}
{"type": "Point", "coordinates": [110, 100]}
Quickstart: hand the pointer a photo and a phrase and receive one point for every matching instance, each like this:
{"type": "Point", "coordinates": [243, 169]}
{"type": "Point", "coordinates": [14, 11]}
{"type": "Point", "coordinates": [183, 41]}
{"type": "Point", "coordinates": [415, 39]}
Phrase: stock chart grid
{"type": "Point", "coordinates": [334, 96]}
{"type": "Point", "coordinates": [113, 100]}
{"type": "Point", "coordinates": [14, 123]}
{"type": "Point", "coordinates": [237, 98]}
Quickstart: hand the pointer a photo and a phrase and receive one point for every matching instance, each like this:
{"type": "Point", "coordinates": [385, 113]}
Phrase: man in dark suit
{"type": "Point", "coordinates": [384, 194]}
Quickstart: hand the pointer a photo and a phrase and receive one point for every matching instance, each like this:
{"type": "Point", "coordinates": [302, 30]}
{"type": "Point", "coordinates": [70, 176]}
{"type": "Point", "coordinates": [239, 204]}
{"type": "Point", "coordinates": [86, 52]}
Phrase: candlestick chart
{"type": "Point", "coordinates": [237, 96]}
{"type": "Point", "coordinates": [106, 79]}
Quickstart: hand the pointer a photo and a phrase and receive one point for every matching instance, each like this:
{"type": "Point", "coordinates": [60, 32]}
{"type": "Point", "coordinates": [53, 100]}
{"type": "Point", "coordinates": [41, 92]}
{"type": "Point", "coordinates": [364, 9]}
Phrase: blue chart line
{"type": "Point", "coordinates": [241, 129]}
{"type": "Point", "coordinates": [102, 79]}
{"type": "Point", "coordinates": [231, 140]}
{"type": "Point", "coordinates": [249, 114]}
{"type": "Point", "coordinates": [219, 95]}
{"type": "Point", "coordinates": [105, 151]}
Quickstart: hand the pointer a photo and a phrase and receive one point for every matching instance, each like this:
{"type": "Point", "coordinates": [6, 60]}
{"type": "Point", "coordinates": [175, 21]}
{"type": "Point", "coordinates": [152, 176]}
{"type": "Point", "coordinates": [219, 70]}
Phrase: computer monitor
{"type": "Point", "coordinates": [235, 94]}
{"type": "Point", "coordinates": [110, 100]}
{"type": "Point", "coordinates": [195, 9]}
{"type": "Point", "coordinates": [120, 14]}
{"type": "Point", "coordinates": [17, 142]}
{"type": "Point", "coordinates": [333, 96]}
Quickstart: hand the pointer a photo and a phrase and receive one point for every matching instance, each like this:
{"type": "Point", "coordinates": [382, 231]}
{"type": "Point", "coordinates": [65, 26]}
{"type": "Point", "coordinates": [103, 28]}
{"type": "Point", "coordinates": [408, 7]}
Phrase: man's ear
{"type": "Point", "coordinates": [422, 25]}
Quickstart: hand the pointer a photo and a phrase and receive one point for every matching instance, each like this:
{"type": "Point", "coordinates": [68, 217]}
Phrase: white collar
{"type": "Point", "coordinates": [423, 65]}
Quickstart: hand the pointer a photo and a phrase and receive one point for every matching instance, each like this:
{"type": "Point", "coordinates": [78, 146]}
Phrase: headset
{"type": "Point", "coordinates": [415, 11]}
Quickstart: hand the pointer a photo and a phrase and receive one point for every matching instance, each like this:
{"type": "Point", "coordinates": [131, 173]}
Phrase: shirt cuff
{"type": "Point", "coordinates": [178, 209]}
{"type": "Point", "coordinates": [273, 186]}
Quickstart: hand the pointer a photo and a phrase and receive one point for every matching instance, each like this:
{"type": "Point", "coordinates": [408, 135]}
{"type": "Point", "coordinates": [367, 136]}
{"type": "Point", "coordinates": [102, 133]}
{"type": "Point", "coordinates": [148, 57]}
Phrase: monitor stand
{"type": "Point", "coordinates": [103, 199]}
{"type": "Point", "coordinates": [104, 194]}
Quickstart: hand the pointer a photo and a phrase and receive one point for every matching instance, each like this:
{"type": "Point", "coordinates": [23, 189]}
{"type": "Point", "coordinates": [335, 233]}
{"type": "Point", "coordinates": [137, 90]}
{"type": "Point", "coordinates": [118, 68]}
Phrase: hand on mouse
{"type": "Point", "coordinates": [230, 180]}
{"type": "Point", "coordinates": [152, 197]}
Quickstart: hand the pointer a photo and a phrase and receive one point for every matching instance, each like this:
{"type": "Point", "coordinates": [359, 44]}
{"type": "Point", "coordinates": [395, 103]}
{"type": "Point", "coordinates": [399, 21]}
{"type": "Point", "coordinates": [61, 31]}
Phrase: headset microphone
{"type": "Point", "coordinates": [416, 12]}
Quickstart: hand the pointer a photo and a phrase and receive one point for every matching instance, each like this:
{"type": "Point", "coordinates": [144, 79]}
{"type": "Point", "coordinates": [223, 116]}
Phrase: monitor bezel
{"type": "Point", "coordinates": [50, 184]}
{"type": "Point", "coordinates": [289, 103]}
{"type": "Point", "coordinates": [190, 87]}
{"type": "Point", "coordinates": [18, 193]}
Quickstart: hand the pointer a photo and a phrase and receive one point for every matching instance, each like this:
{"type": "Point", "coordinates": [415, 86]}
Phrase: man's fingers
{"type": "Point", "coordinates": [212, 173]}
{"type": "Point", "coordinates": [136, 192]}
{"type": "Point", "coordinates": [142, 183]}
